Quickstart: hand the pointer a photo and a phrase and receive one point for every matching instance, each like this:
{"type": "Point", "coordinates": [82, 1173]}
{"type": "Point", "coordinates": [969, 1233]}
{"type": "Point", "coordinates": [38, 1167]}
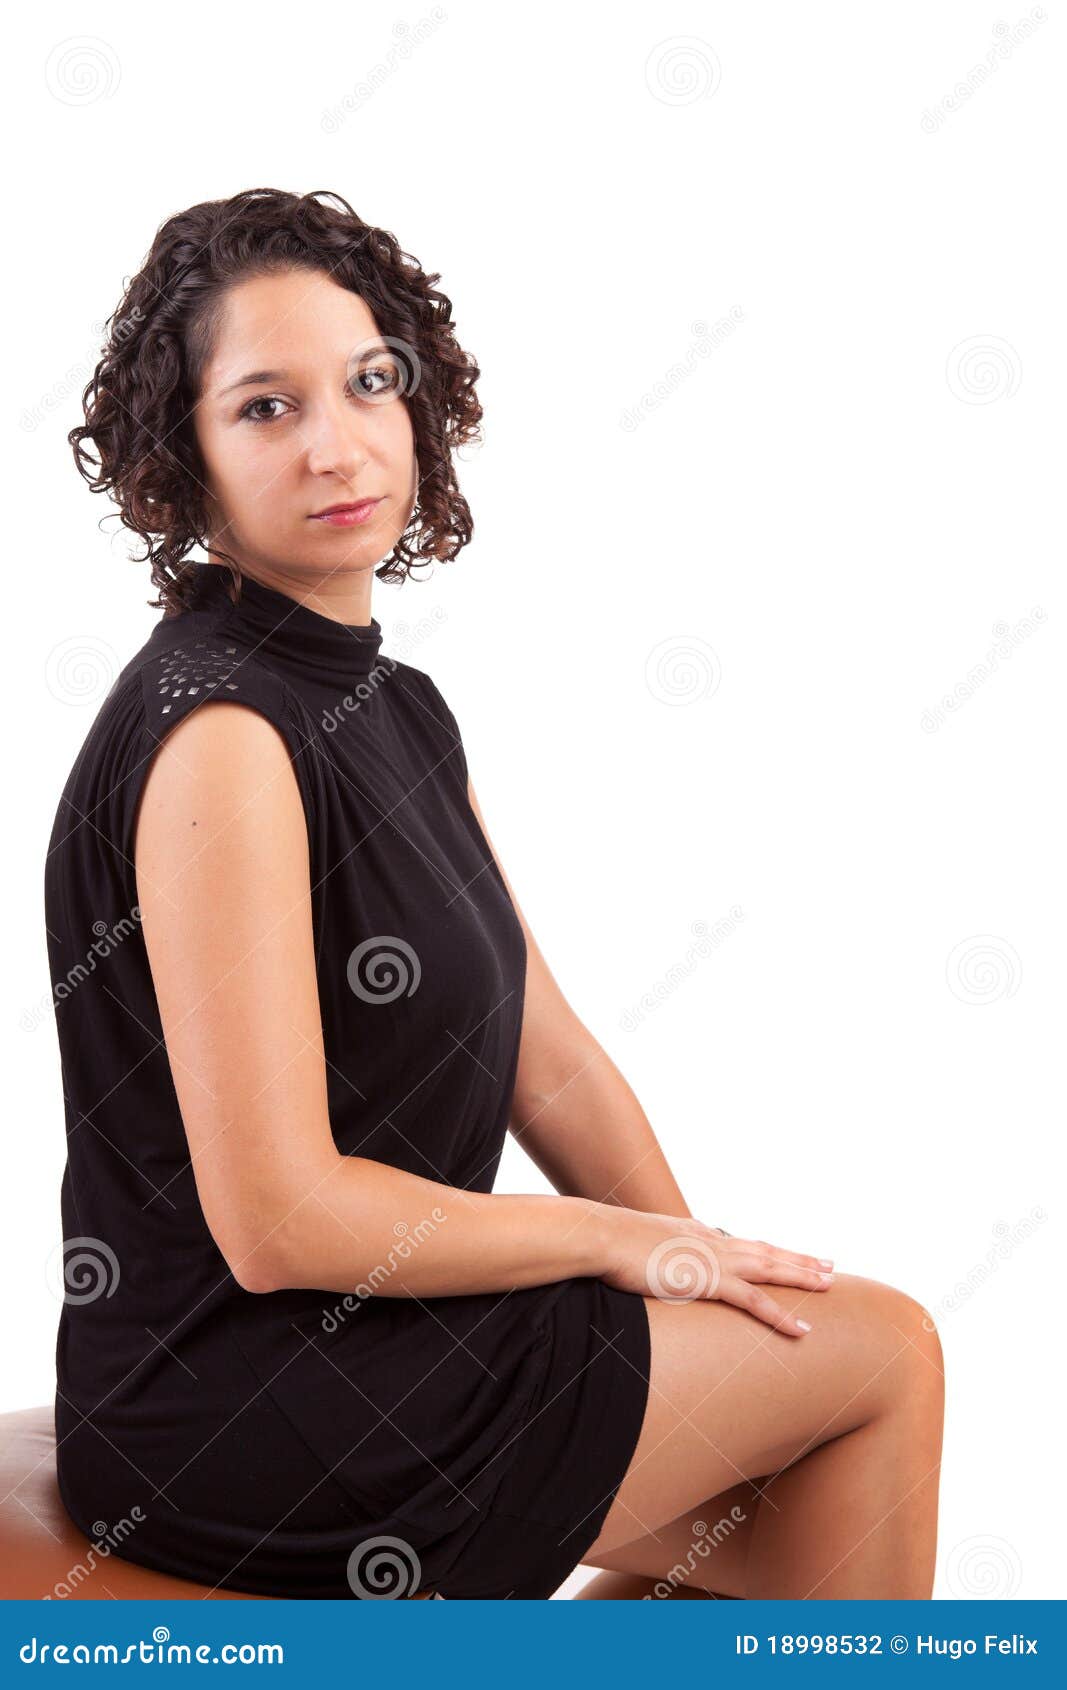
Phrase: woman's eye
{"type": "Point", "coordinates": [380, 378]}
{"type": "Point", "coordinates": [265, 400]}
{"type": "Point", "coordinates": [383, 377]}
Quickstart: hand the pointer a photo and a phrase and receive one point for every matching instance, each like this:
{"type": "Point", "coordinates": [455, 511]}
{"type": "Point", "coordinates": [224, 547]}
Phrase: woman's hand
{"type": "Point", "coordinates": [679, 1259]}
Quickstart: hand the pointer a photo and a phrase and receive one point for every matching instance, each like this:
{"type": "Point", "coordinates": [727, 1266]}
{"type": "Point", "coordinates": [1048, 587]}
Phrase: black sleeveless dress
{"type": "Point", "coordinates": [305, 1443]}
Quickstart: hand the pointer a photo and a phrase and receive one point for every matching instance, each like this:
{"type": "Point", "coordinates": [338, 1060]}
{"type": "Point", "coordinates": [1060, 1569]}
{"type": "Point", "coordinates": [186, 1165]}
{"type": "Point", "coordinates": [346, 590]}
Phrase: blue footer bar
{"type": "Point", "coordinates": [540, 1645]}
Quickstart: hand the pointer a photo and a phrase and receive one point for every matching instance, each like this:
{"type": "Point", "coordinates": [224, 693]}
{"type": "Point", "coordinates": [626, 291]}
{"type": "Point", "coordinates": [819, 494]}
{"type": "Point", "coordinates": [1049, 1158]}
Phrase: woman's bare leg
{"type": "Point", "coordinates": [847, 1421]}
{"type": "Point", "coordinates": [631, 1587]}
{"type": "Point", "coordinates": [704, 1552]}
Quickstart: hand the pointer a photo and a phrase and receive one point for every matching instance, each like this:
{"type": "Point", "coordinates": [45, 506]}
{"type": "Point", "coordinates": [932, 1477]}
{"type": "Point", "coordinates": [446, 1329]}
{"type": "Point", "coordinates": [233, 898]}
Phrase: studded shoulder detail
{"type": "Point", "coordinates": [209, 666]}
{"type": "Point", "coordinates": [206, 666]}
{"type": "Point", "coordinates": [186, 671]}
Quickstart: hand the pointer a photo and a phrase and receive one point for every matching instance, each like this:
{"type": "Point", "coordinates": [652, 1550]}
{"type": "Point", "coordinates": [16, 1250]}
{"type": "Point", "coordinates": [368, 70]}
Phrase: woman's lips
{"type": "Point", "coordinates": [347, 516]}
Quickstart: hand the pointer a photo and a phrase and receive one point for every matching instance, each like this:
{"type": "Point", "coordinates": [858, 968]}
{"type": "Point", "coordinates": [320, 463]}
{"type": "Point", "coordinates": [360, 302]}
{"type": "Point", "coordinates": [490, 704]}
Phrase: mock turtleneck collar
{"type": "Point", "coordinates": [291, 632]}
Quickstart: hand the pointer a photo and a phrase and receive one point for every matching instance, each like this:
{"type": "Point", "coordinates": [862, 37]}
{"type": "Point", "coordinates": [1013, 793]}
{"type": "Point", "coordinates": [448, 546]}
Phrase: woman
{"type": "Point", "coordinates": [305, 1349]}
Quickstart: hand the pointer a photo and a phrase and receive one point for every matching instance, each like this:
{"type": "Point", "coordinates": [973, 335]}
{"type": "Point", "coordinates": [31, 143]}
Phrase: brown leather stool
{"type": "Point", "coordinates": [42, 1552]}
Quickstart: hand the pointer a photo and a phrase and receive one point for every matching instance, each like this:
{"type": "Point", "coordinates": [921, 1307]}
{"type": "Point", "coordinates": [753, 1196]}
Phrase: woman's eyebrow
{"type": "Point", "coordinates": [254, 377]}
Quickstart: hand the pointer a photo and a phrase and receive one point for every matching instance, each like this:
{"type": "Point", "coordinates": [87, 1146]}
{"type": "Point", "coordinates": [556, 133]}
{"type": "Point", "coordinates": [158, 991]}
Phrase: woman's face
{"type": "Point", "coordinates": [324, 423]}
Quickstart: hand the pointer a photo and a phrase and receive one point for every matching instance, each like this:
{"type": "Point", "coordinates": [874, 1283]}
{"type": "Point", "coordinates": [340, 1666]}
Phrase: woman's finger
{"type": "Point", "coordinates": [756, 1260]}
{"type": "Point", "coordinates": [765, 1270]}
{"type": "Point", "coordinates": [759, 1303]}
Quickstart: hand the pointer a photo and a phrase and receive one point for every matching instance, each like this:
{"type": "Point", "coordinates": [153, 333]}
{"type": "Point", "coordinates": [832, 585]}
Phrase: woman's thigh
{"type": "Point", "coordinates": [704, 1549]}
{"type": "Point", "coordinates": [731, 1399]}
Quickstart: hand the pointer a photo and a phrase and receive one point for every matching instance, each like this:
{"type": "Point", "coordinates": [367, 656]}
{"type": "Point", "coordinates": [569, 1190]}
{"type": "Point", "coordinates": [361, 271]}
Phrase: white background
{"type": "Point", "coordinates": [692, 656]}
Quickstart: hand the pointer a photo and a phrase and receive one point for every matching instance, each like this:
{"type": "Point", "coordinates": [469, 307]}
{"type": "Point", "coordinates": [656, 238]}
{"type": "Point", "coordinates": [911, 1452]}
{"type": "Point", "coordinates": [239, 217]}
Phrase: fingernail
{"type": "Point", "coordinates": [824, 1263]}
{"type": "Point", "coordinates": [805, 1325]}
{"type": "Point", "coordinates": [826, 1276]}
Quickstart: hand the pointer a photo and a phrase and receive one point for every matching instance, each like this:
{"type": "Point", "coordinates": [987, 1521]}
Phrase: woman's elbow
{"type": "Point", "coordinates": [257, 1269]}
{"type": "Point", "coordinates": [258, 1241]}
{"type": "Point", "coordinates": [265, 1230]}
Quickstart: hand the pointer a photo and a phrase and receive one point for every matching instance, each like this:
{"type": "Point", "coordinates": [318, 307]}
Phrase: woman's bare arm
{"type": "Point", "coordinates": [223, 881]}
{"type": "Point", "coordinates": [574, 1113]}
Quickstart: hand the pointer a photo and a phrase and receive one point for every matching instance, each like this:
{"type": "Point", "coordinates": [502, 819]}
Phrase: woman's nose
{"type": "Point", "coordinates": [333, 440]}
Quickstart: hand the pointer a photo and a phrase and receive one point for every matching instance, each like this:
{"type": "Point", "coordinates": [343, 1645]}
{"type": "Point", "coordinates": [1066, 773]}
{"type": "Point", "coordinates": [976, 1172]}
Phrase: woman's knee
{"type": "Point", "coordinates": [871, 1342]}
{"type": "Point", "coordinates": [900, 1338]}
{"type": "Point", "coordinates": [731, 1397]}
{"type": "Point", "coordinates": [924, 1385]}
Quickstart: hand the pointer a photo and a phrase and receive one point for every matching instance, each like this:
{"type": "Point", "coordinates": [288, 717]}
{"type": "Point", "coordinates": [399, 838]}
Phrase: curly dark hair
{"type": "Point", "coordinates": [139, 402]}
